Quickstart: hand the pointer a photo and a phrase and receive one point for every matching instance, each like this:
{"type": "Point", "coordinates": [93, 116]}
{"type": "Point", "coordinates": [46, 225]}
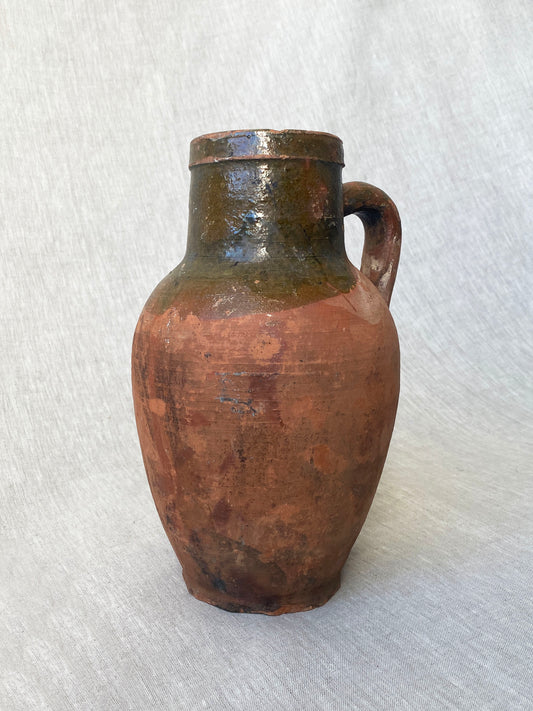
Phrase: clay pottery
{"type": "Point", "coordinates": [266, 371]}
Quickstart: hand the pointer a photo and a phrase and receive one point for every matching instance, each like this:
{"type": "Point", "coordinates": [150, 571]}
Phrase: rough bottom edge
{"type": "Point", "coordinates": [236, 606]}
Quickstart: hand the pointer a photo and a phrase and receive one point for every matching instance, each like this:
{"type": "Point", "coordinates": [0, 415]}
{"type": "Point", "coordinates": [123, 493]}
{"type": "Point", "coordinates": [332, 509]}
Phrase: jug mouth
{"type": "Point", "coordinates": [266, 144]}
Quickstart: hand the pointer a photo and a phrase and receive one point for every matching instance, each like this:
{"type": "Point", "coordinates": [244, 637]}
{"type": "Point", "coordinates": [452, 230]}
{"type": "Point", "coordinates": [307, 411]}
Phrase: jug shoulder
{"type": "Point", "coordinates": [245, 289]}
{"type": "Point", "coordinates": [241, 319]}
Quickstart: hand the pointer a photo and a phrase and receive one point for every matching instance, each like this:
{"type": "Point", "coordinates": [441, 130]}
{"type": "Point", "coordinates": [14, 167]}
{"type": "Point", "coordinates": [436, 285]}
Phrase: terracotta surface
{"type": "Point", "coordinates": [266, 372]}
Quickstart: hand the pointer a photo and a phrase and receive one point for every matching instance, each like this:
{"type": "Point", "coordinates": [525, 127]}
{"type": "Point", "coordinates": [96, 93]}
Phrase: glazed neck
{"type": "Point", "coordinates": [254, 210]}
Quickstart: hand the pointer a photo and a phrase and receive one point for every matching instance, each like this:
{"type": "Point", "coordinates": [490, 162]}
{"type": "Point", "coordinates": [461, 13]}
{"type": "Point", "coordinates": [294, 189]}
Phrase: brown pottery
{"type": "Point", "coordinates": [266, 371]}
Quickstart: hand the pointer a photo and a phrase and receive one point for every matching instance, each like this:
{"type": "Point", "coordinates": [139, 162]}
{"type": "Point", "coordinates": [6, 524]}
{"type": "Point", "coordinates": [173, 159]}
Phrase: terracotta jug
{"type": "Point", "coordinates": [266, 371]}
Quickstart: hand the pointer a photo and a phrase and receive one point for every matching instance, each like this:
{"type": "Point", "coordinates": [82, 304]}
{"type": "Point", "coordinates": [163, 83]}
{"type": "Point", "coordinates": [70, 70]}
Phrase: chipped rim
{"type": "Point", "coordinates": [266, 143]}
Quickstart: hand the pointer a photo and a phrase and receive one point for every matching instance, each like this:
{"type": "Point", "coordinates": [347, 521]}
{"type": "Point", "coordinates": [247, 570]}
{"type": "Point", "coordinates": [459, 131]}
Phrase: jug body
{"type": "Point", "coordinates": [266, 372]}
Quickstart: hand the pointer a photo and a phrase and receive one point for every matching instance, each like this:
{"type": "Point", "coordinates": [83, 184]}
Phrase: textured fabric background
{"type": "Point", "coordinates": [99, 102]}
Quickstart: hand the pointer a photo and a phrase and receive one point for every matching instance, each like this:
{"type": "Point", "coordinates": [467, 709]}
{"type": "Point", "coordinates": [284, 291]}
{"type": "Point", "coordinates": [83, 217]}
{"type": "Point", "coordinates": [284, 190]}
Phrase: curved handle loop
{"type": "Point", "coordinates": [383, 233]}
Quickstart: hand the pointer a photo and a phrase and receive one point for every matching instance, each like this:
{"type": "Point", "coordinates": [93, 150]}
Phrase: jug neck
{"type": "Point", "coordinates": [265, 195]}
{"type": "Point", "coordinates": [254, 210]}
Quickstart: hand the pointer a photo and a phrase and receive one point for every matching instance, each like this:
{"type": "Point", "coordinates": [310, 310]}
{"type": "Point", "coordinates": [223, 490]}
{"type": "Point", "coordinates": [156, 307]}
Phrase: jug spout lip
{"type": "Point", "coordinates": [266, 144]}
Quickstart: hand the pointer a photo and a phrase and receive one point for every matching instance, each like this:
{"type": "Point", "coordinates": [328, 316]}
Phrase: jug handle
{"type": "Point", "coordinates": [383, 233]}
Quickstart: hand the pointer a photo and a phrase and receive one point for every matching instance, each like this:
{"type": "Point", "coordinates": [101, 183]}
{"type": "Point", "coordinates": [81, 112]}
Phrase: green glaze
{"type": "Point", "coordinates": [269, 227]}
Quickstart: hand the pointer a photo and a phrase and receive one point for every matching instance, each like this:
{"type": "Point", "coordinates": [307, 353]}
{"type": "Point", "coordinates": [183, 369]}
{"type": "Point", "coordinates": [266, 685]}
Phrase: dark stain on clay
{"type": "Point", "coordinates": [221, 512]}
{"type": "Point", "coordinates": [246, 581]}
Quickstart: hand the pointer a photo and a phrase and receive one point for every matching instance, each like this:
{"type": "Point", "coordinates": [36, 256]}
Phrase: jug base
{"type": "Point", "coordinates": [275, 605]}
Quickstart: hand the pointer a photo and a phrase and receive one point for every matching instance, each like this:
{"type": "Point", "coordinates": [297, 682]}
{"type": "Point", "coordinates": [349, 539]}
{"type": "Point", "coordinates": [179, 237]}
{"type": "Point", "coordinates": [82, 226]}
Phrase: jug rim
{"type": "Point", "coordinates": [266, 144]}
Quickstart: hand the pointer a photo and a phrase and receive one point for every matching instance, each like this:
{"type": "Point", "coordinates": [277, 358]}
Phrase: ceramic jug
{"type": "Point", "coordinates": [266, 371]}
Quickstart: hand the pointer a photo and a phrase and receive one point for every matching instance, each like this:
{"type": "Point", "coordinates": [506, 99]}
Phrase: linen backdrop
{"type": "Point", "coordinates": [99, 102]}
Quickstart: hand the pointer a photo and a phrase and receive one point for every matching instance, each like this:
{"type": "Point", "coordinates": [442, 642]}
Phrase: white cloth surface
{"type": "Point", "coordinates": [99, 102]}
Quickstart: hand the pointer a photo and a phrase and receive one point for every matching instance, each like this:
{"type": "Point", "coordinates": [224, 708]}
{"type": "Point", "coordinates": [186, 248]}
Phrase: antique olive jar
{"type": "Point", "coordinates": [266, 371]}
